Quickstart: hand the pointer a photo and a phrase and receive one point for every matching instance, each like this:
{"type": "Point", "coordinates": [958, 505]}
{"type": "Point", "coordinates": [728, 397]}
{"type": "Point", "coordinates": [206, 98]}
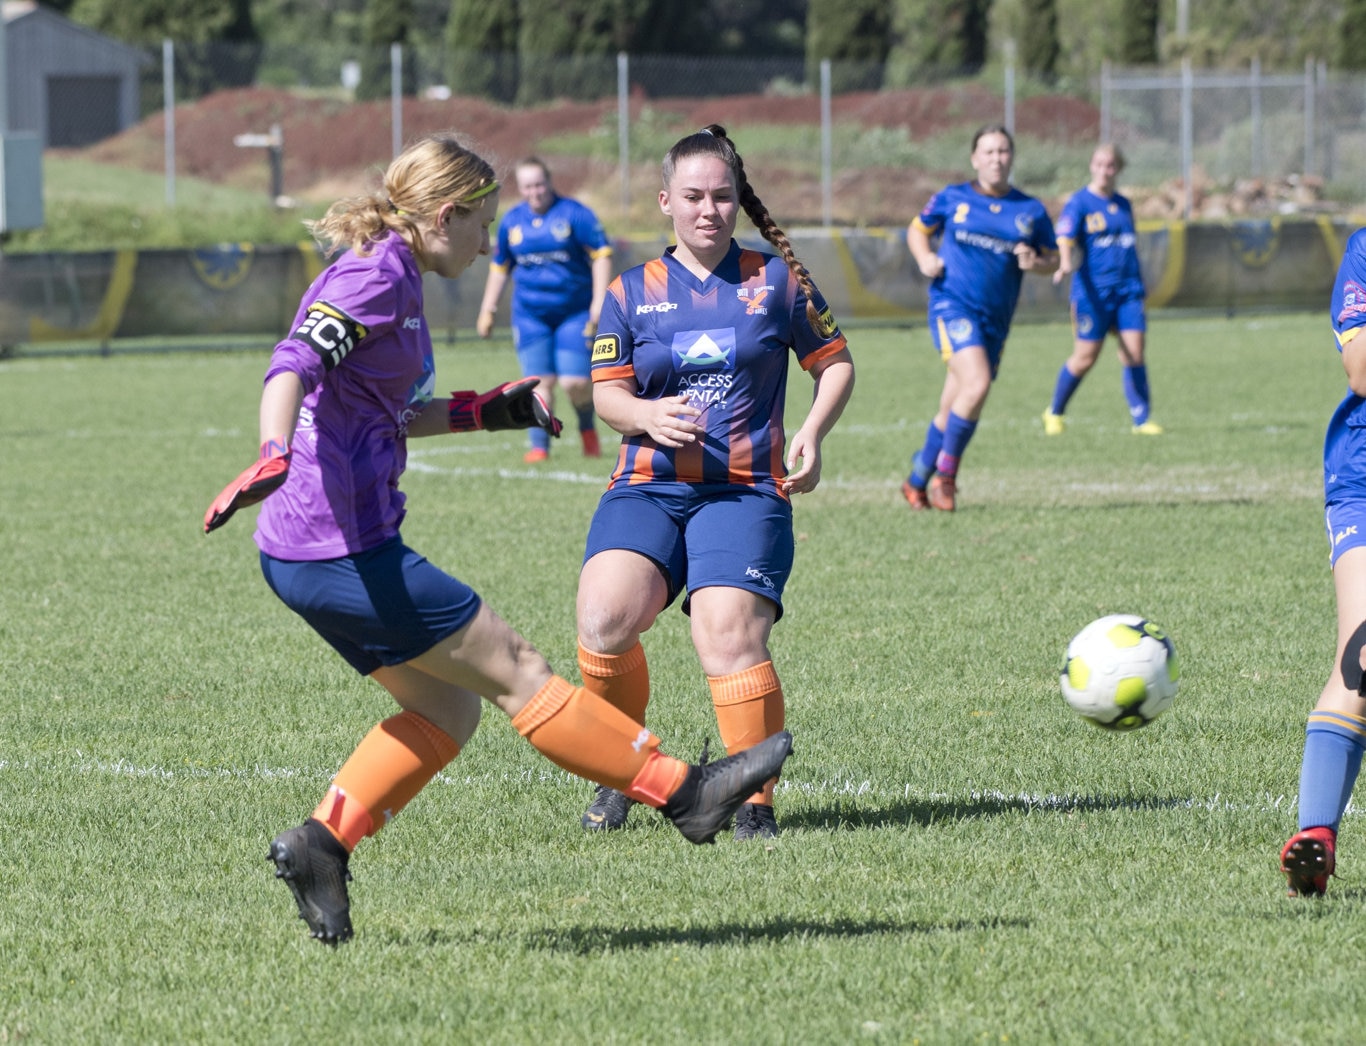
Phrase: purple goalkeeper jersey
{"type": "Point", "coordinates": [360, 346]}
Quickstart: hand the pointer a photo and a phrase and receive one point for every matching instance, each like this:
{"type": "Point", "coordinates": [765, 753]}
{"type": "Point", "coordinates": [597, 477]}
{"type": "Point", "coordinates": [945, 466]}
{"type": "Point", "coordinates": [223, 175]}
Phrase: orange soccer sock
{"type": "Point", "coordinates": [749, 707]}
{"type": "Point", "coordinates": [620, 679]}
{"type": "Point", "coordinates": [579, 731]}
{"type": "Point", "coordinates": [393, 762]}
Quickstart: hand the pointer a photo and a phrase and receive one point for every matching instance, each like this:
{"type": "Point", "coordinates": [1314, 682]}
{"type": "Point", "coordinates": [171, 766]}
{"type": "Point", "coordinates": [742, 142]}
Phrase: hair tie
{"type": "Point", "coordinates": [706, 131]}
{"type": "Point", "coordinates": [392, 206]}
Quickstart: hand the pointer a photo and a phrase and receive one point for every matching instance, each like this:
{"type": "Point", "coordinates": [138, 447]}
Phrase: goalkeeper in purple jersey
{"type": "Point", "coordinates": [1335, 735]}
{"type": "Point", "coordinates": [344, 392]}
{"type": "Point", "coordinates": [690, 365]}
{"type": "Point", "coordinates": [989, 235]}
{"type": "Point", "coordinates": [1098, 248]}
{"type": "Point", "coordinates": [559, 260]}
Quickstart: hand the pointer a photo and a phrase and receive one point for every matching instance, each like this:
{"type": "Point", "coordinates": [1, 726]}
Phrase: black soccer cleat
{"type": "Point", "coordinates": [710, 794]}
{"type": "Point", "coordinates": [608, 811]}
{"type": "Point", "coordinates": [755, 821]}
{"type": "Point", "coordinates": [314, 867]}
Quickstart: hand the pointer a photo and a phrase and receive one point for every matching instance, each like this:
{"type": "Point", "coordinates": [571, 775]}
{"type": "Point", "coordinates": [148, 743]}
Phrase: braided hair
{"type": "Point", "coordinates": [713, 141]}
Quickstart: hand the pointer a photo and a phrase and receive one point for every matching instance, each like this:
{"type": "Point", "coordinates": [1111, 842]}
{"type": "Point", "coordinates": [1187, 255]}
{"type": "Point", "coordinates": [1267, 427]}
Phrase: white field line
{"type": "Point", "coordinates": [832, 788]}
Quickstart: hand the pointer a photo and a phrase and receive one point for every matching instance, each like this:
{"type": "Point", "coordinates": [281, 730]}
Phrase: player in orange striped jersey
{"type": "Point", "coordinates": [690, 366]}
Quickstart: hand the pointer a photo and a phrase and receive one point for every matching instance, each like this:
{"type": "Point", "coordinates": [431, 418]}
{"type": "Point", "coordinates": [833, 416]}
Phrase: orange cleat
{"type": "Point", "coordinates": [915, 497]}
{"type": "Point", "coordinates": [535, 455]}
{"type": "Point", "coordinates": [943, 492]}
{"type": "Point", "coordinates": [1308, 860]}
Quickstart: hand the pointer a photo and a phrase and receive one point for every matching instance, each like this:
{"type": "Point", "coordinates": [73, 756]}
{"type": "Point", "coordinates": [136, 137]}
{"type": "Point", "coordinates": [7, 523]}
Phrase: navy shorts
{"type": "Point", "coordinates": [381, 607]}
{"type": "Point", "coordinates": [953, 330]}
{"type": "Point", "coordinates": [701, 535]}
{"type": "Point", "coordinates": [1093, 318]}
{"type": "Point", "coordinates": [553, 345]}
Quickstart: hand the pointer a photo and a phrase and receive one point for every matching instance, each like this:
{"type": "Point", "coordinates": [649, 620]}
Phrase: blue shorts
{"type": "Point", "coordinates": [1345, 521]}
{"type": "Point", "coordinates": [953, 330]}
{"type": "Point", "coordinates": [701, 535]}
{"type": "Point", "coordinates": [381, 607]}
{"type": "Point", "coordinates": [1093, 318]}
{"type": "Point", "coordinates": [553, 344]}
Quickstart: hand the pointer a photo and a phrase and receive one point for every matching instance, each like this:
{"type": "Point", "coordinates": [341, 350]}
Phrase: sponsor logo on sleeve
{"type": "Point", "coordinates": [606, 349]}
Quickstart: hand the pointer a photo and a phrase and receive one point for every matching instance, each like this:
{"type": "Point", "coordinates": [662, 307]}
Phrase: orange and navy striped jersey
{"type": "Point", "coordinates": [723, 342]}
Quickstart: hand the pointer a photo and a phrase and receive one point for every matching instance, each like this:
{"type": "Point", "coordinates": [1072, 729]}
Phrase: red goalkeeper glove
{"type": "Point", "coordinates": [512, 405]}
{"type": "Point", "coordinates": [251, 486]}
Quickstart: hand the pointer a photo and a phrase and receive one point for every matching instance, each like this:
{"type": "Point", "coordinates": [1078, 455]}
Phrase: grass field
{"type": "Point", "coordinates": [963, 859]}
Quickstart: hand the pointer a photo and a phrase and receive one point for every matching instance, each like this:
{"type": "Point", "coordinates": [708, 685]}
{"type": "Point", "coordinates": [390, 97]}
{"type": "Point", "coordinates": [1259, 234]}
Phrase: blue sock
{"type": "Point", "coordinates": [585, 417]}
{"type": "Point", "coordinates": [540, 439]}
{"type": "Point", "coordinates": [1333, 743]}
{"type": "Point", "coordinates": [1136, 392]}
{"type": "Point", "coordinates": [1062, 391]}
{"type": "Point", "coordinates": [922, 464]}
{"type": "Point", "coordinates": [956, 439]}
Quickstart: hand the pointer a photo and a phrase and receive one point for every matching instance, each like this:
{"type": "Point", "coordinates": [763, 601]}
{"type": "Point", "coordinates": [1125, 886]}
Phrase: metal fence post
{"type": "Point", "coordinates": [1010, 86]}
{"type": "Point", "coordinates": [168, 106]}
{"type": "Point", "coordinates": [624, 133]}
{"type": "Point", "coordinates": [1105, 101]}
{"type": "Point", "coordinates": [396, 96]}
{"type": "Point", "coordinates": [1187, 134]}
{"type": "Point", "coordinates": [1255, 86]}
{"type": "Point", "coordinates": [827, 149]}
{"type": "Point", "coordinates": [1309, 116]}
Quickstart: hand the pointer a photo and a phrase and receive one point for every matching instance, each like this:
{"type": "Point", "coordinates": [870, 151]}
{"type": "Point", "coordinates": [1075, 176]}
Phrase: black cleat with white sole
{"type": "Point", "coordinates": [710, 794]}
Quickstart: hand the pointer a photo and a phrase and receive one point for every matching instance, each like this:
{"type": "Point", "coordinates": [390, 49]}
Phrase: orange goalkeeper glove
{"type": "Point", "coordinates": [252, 485]}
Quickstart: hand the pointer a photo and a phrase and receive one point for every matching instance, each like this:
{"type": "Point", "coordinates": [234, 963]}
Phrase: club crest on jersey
{"type": "Point", "coordinates": [705, 349]}
{"type": "Point", "coordinates": [1024, 225]}
{"type": "Point", "coordinates": [560, 229]}
{"type": "Point", "coordinates": [606, 349]}
{"type": "Point", "coordinates": [329, 332]}
{"type": "Point", "coordinates": [754, 298]}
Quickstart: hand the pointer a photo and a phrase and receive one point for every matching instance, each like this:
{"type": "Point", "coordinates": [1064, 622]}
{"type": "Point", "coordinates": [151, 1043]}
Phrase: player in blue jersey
{"type": "Point", "coordinates": [989, 234]}
{"type": "Point", "coordinates": [344, 392]}
{"type": "Point", "coordinates": [560, 263]}
{"type": "Point", "coordinates": [1336, 733]}
{"type": "Point", "coordinates": [690, 365]}
{"type": "Point", "coordinates": [1097, 223]}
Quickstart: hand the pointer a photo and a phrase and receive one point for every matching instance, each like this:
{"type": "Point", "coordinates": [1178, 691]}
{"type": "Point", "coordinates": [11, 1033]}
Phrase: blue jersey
{"type": "Point", "coordinates": [723, 342]}
{"type": "Point", "coordinates": [1103, 227]}
{"type": "Point", "coordinates": [1344, 447]}
{"type": "Point", "coordinates": [551, 256]}
{"type": "Point", "coordinates": [979, 235]}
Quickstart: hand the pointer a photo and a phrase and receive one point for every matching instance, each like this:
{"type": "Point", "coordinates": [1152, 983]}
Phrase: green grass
{"type": "Point", "coordinates": [94, 206]}
{"type": "Point", "coordinates": [963, 859]}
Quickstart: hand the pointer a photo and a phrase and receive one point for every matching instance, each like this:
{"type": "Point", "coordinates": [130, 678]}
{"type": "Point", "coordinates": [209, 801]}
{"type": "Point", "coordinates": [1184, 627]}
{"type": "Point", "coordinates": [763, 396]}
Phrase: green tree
{"type": "Point", "coordinates": [216, 43]}
{"type": "Point", "coordinates": [1351, 53]}
{"type": "Point", "coordinates": [481, 42]}
{"type": "Point", "coordinates": [1138, 32]}
{"type": "Point", "coordinates": [387, 22]}
{"type": "Point", "coordinates": [857, 32]}
{"type": "Point", "coordinates": [1039, 47]}
{"type": "Point", "coordinates": [936, 37]}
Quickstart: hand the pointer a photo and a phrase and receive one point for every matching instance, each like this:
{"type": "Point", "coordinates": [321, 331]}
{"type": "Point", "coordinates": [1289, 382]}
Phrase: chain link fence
{"type": "Point", "coordinates": [844, 143]}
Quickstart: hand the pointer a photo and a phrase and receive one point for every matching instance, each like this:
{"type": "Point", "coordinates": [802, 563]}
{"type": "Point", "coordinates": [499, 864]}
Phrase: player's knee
{"type": "Point", "coordinates": [1351, 660]}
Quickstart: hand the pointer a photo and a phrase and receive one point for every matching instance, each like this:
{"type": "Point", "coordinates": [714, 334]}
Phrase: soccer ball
{"type": "Point", "coordinates": [1121, 672]}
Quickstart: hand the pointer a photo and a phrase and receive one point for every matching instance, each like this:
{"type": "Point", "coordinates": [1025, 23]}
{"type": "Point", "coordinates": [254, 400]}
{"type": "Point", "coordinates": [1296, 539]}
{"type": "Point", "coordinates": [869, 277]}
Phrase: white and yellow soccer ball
{"type": "Point", "coordinates": [1121, 672]}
